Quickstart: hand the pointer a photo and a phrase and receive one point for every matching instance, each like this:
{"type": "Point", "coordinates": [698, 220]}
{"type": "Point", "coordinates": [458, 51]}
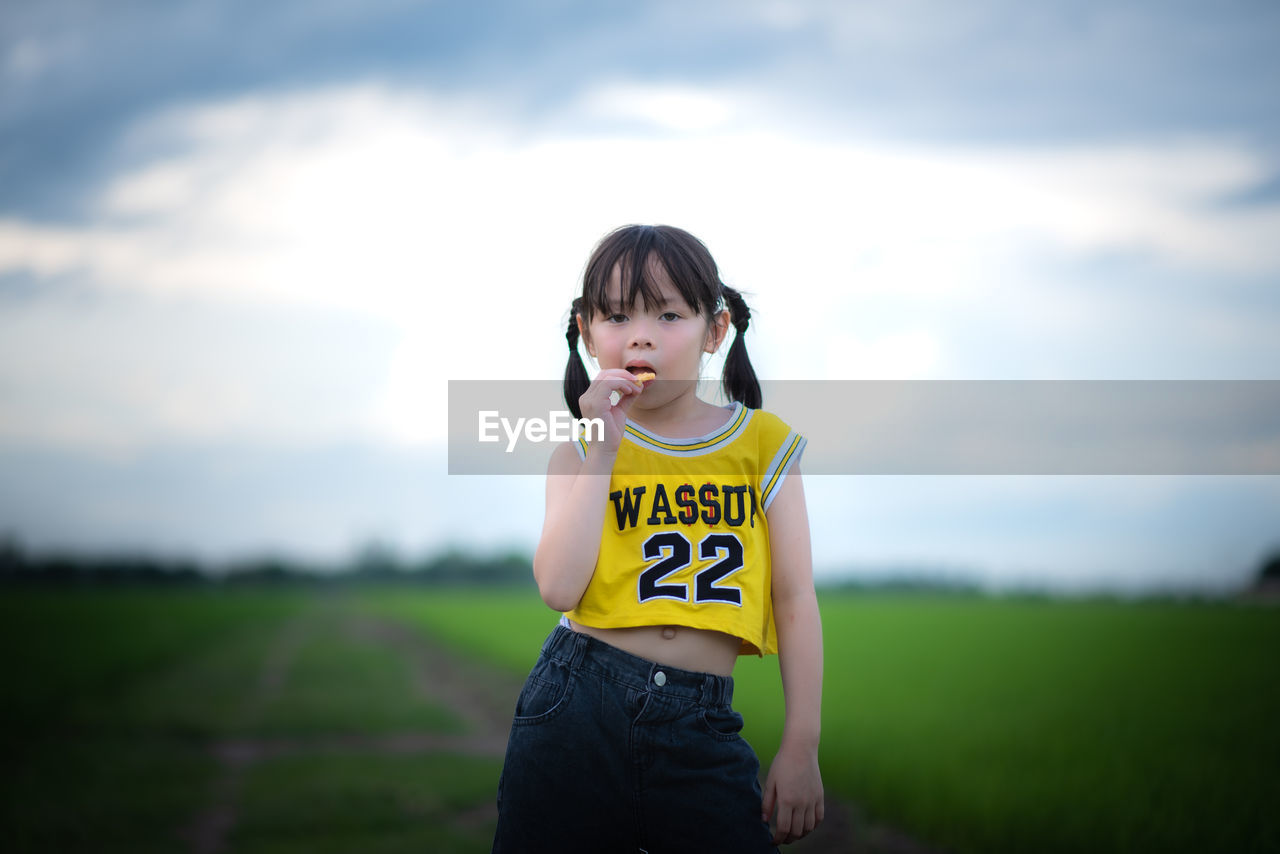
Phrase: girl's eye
{"type": "Point", "coordinates": [670, 315]}
{"type": "Point", "coordinates": [616, 318]}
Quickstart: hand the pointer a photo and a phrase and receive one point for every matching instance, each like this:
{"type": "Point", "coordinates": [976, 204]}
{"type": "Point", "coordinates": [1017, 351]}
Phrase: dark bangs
{"type": "Point", "coordinates": [633, 249]}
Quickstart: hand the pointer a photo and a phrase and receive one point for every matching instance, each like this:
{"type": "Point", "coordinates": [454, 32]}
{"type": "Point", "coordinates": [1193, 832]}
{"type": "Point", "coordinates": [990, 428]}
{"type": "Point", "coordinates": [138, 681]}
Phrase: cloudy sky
{"type": "Point", "coordinates": [244, 246]}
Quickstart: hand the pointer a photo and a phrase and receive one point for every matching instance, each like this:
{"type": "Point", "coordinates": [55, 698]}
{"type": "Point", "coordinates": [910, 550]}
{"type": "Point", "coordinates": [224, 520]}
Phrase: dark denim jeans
{"type": "Point", "coordinates": [613, 753]}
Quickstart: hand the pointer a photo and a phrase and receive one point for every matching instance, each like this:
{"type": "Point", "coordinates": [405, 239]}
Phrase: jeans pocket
{"type": "Point", "coordinates": [544, 692]}
{"type": "Point", "coordinates": [722, 722]}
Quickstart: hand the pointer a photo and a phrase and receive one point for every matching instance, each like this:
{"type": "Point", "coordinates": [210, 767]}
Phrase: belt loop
{"type": "Point", "coordinates": [552, 642]}
{"type": "Point", "coordinates": [711, 694]}
{"type": "Point", "coordinates": [579, 652]}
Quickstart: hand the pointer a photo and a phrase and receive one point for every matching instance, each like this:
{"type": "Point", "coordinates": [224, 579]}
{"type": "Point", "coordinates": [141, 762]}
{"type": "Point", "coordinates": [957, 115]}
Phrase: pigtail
{"type": "Point", "coordinates": [576, 380]}
{"type": "Point", "coordinates": [739, 378]}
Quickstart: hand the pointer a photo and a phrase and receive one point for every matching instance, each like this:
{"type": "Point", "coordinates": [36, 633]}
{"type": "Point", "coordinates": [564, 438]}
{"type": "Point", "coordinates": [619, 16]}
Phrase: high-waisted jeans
{"type": "Point", "coordinates": [613, 753]}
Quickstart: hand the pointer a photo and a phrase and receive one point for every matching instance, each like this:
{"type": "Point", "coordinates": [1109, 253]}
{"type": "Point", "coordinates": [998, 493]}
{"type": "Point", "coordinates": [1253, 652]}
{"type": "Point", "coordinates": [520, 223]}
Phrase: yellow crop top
{"type": "Point", "coordinates": [686, 539]}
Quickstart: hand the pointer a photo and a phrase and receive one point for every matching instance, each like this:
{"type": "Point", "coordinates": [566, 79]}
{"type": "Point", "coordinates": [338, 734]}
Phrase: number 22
{"type": "Point", "coordinates": [672, 552]}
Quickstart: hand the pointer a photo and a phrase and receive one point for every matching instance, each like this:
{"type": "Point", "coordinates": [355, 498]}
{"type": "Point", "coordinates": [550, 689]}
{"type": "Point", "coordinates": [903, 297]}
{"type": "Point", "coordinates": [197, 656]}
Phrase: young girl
{"type": "Point", "coordinates": [673, 545]}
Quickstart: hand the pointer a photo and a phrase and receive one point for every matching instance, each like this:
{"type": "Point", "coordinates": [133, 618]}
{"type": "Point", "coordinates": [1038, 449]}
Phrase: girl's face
{"type": "Point", "coordinates": [668, 339]}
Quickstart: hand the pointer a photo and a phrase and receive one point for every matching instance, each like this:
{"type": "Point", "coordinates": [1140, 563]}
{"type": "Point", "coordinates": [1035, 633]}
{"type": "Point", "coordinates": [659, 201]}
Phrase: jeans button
{"type": "Point", "coordinates": [659, 679]}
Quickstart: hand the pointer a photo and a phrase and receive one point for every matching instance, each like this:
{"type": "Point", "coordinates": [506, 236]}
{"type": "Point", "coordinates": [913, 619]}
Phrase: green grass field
{"type": "Point", "coordinates": [118, 702]}
{"type": "Point", "coordinates": [989, 725]}
{"type": "Point", "coordinates": [266, 721]}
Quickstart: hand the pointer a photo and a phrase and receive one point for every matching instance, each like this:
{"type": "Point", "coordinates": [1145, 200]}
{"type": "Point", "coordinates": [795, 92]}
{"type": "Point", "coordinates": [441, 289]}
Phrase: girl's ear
{"type": "Point", "coordinates": [719, 328]}
{"type": "Point", "coordinates": [583, 334]}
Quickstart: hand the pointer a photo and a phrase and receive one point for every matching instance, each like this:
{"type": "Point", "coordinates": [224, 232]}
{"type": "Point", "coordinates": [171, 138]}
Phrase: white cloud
{"type": "Point", "coordinates": [115, 374]}
{"type": "Point", "coordinates": [674, 108]}
{"type": "Point", "coordinates": [463, 239]}
{"type": "Point", "coordinates": [909, 354]}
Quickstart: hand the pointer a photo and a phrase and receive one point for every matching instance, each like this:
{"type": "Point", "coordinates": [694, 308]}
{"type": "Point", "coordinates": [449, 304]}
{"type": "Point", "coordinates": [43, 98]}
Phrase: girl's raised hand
{"type": "Point", "coordinates": [598, 401]}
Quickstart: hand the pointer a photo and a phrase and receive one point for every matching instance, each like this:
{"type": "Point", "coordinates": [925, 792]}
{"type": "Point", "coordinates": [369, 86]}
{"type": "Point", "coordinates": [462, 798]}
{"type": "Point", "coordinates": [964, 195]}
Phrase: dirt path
{"type": "Point", "coordinates": [481, 696]}
{"type": "Point", "coordinates": [208, 832]}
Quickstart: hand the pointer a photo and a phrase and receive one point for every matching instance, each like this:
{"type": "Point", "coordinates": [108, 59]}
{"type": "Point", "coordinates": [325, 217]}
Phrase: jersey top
{"type": "Point", "coordinates": [686, 539]}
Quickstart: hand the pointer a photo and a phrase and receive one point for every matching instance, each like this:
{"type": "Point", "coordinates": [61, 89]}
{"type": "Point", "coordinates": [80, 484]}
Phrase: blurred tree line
{"type": "Point", "coordinates": [373, 563]}
{"type": "Point", "coordinates": [377, 563]}
{"type": "Point", "coordinates": [1270, 571]}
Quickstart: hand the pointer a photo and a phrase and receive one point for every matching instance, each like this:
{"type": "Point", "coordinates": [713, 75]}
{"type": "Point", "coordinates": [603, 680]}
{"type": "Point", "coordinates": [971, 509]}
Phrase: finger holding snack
{"type": "Point", "coordinates": [642, 378]}
{"type": "Point", "coordinates": [609, 398]}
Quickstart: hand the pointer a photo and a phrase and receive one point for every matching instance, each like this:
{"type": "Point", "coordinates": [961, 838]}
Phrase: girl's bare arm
{"type": "Point", "coordinates": [577, 492]}
{"type": "Point", "coordinates": [794, 783]}
{"type": "Point", "coordinates": [577, 495]}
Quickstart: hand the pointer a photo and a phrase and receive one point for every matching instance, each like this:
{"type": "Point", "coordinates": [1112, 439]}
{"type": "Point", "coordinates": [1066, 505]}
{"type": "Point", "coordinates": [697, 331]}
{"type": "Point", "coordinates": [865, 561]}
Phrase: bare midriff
{"type": "Point", "coordinates": [699, 650]}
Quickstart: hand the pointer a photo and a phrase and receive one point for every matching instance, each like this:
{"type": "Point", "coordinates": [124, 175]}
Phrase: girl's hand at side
{"type": "Point", "coordinates": [794, 784]}
{"type": "Point", "coordinates": [596, 402]}
{"type": "Point", "coordinates": [794, 787]}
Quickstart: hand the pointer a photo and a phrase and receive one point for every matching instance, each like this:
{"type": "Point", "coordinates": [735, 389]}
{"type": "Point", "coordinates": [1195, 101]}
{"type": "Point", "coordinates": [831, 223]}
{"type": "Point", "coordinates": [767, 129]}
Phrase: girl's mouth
{"type": "Point", "coordinates": [642, 373]}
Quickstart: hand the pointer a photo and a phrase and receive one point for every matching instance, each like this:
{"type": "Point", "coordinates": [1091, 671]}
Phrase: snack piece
{"type": "Point", "coordinates": [643, 376]}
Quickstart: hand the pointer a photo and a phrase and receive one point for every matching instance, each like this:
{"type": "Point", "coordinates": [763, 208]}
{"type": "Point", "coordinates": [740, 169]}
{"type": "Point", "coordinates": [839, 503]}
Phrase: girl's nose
{"type": "Point", "coordinates": [640, 335]}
